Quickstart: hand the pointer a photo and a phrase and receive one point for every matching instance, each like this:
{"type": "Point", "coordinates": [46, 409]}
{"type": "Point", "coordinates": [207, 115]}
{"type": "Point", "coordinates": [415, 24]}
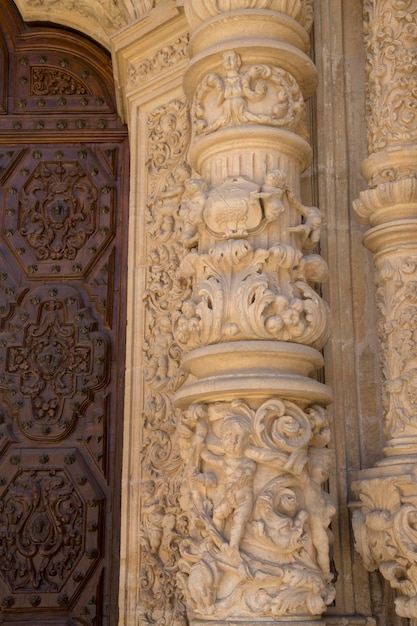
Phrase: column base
{"type": "Point", "coordinates": [255, 370]}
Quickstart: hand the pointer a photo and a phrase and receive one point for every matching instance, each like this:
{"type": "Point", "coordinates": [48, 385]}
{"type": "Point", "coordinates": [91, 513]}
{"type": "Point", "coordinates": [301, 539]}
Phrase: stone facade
{"type": "Point", "coordinates": [263, 440]}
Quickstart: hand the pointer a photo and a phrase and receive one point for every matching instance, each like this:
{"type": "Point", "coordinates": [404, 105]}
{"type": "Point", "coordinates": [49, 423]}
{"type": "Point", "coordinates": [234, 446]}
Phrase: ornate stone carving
{"type": "Point", "coordinates": [385, 533]}
{"type": "Point", "coordinates": [259, 95]}
{"type": "Point", "coordinates": [237, 296]}
{"type": "Point", "coordinates": [390, 38]}
{"type": "Point", "coordinates": [235, 520]}
{"type": "Point", "coordinates": [396, 301]}
{"type": "Point", "coordinates": [301, 10]}
{"type": "Point", "coordinates": [164, 58]}
{"type": "Point", "coordinates": [110, 14]}
{"type": "Point", "coordinates": [385, 513]}
{"type": "Point", "coordinates": [163, 522]}
{"type": "Point", "coordinates": [258, 542]}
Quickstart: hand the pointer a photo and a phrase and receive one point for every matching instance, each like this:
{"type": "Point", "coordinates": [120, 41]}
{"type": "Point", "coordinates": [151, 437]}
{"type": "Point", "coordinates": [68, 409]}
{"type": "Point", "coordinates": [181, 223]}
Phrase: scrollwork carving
{"type": "Point", "coordinates": [225, 100]}
{"type": "Point", "coordinates": [47, 81]}
{"type": "Point", "coordinates": [254, 542]}
{"type": "Point", "coordinates": [166, 57]}
{"type": "Point", "coordinates": [396, 302]}
{"type": "Point", "coordinates": [163, 522]}
{"type": "Point", "coordinates": [58, 210]}
{"type": "Point", "coordinates": [390, 37]}
{"type": "Point", "coordinates": [384, 523]}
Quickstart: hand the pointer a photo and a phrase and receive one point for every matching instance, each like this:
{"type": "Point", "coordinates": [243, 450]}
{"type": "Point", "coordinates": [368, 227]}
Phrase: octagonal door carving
{"type": "Point", "coordinates": [63, 213]}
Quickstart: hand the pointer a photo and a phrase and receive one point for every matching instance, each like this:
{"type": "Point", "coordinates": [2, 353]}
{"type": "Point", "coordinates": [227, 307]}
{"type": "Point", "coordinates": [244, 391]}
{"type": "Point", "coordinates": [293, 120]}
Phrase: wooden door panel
{"type": "Point", "coordinates": [63, 226]}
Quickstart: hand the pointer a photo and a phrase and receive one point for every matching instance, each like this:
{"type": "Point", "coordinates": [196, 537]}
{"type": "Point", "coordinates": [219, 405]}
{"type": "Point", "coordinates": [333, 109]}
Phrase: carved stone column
{"type": "Point", "coordinates": [385, 518]}
{"type": "Point", "coordinates": [253, 430]}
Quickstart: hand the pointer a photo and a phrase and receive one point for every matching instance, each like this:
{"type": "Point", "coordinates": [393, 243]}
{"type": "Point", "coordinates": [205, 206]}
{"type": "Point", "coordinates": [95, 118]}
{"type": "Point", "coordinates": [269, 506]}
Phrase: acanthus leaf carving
{"type": "Point", "coordinates": [384, 522]}
{"type": "Point", "coordinates": [242, 293]}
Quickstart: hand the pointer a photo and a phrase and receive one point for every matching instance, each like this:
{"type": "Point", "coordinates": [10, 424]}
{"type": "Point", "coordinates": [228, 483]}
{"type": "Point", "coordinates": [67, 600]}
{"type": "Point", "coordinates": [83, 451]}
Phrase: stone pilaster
{"type": "Point", "coordinates": [253, 430]}
{"type": "Point", "coordinates": [384, 518]}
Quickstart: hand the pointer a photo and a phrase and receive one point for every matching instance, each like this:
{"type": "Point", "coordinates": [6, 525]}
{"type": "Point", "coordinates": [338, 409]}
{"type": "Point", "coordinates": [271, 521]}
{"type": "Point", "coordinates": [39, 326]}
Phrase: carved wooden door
{"type": "Point", "coordinates": [63, 178]}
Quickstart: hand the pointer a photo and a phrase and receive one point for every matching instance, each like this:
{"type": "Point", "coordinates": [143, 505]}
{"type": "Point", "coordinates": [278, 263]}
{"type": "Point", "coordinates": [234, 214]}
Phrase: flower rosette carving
{"type": "Point", "coordinates": [384, 524]}
{"type": "Point", "coordinates": [260, 95]}
{"type": "Point", "coordinates": [390, 38]}
{"type": "Point", "coordinates": [242, 293]}
{"type": "Point", "coordinates": [254, 540]}
{"type": "Point", "coordinates": [397, 330]}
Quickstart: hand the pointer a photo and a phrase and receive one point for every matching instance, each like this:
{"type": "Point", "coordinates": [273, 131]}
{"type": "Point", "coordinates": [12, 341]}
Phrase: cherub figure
{"type": "Point", "coordinates": [188, 325]}
{"type": "Point", "coordinates": [272, 193]}
{"type": "Point", "coordinates": [153, 515]}
{"type": "Point", "coordinates": [167, 204]}
{"type": "Point", "coordinates": [311, 225]}
{"type": "Point", "coordinates": [319, 506]}
{"type": "Point", "coordinates": [191, 210]}
{"type": "Point", "coordinates": [236, 487]}
{"type": "Point", "coordinates": [159, 362]}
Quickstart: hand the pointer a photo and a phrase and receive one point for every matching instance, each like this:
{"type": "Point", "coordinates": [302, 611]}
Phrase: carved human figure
{"type": "Point", "coordinates": [168, 203]}
{"type": "Point", "coordinates": [188, 325]}
{"type": "Point", "coordinates": [319, 505]}
{"type": "Point", "coordinates": [191, 210]}
{"type": "Point", "coordinates": [159, 362]}
{"type": "Point", "coordinates": [153, 515]}
{"type": "Point", "coordinates": [309, 229]}
{"type": "Point", "coordinates": [283, 524]}
{"type": "Point", "coordinates": [272, 193]}
{"type": "Point", "coordinates": [234, 92]}
{"type": "Point", "coordinates": [236, 473]}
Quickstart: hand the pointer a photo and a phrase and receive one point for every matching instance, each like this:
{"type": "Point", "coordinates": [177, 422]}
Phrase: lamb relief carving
{"type": "Point", "coordinates": [259, 538]}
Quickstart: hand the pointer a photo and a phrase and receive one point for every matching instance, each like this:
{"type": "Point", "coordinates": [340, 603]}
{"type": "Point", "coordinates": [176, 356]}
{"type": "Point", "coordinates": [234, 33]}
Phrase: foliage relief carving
{"type": "Point", "coordinates": [397, 326]}
{"type": "Point", "coordinates": [385, 535]}
{"type": "Point", "coordinates": [163, 522]}
{"type": "Point", "coordinates": [391, 38]}
{"type": "Point", "coordinates": [258, 539]}
{"type": "Point", "coordinates": [166, 57]}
